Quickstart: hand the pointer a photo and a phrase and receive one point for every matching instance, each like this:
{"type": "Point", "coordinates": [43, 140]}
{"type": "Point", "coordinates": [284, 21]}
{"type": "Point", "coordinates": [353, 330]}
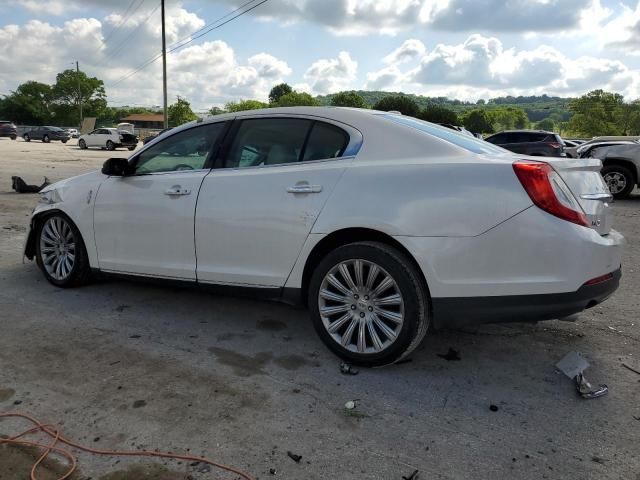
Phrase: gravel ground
{"type": "Point", "coordinates": [131, 365]}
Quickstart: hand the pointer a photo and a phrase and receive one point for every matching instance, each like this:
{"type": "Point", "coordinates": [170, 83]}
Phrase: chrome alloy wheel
{"type": "Point", "coordinates": [57, 248]}
{"type": "Point", "coordinates": [615, 181]}
{"type": "Point", "coordinates": [361, 306]}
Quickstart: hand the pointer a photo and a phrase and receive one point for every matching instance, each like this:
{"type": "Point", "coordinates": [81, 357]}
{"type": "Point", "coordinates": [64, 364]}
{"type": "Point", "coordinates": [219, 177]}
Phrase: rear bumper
{"type": "Point", "coordinates": [458, 311]}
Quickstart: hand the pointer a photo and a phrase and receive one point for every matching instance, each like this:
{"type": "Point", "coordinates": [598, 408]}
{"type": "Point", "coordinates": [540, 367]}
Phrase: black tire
{"type": "Point", "coordinates": [82, 144]}
{"type": "Point", "coordinates": [110, 145]}
{"type": "Point", "coordinates": [64, 141]}
{"type": "Point", "coordinates": [608, 171]}
{"type": "Point", "coordinates": [26, 137]}
{"type": "Point", "coordinates": [13, 137]}
{"type": "Point", "coordinates": [46, 139]}
{"type": "Point", "coordinates": [80, 273]}
{"type": "Point", "coordinates": [131, 149]}
{"type": "Point", "coordinates": [410, 285]}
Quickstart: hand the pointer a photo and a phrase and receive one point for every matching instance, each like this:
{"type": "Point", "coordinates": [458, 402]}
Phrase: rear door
{"type": "Point", "coordinates": [255, 212]}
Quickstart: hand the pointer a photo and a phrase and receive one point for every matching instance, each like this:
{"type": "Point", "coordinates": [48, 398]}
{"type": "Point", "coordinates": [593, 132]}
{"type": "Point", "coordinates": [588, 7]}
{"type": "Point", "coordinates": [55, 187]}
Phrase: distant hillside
{"type": "Point", "coordinates": [536, 107]}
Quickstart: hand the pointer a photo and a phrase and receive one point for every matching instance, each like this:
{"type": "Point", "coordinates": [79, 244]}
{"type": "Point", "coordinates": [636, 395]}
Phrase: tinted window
{"type": "Point", "coordinates": [325, 141]}
{"type": "Point", "coordinates": [461, 140]}
{"type": "Point", "coordinates": [497, 139]}
{"type": "Point", "coordinates": [268, 141]}
{"type": "Point", "coordinates": [186, 150]}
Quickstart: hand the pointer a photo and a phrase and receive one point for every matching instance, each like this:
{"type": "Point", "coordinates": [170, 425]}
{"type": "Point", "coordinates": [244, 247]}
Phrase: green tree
{"type": "Point", "coordinates": [349, 99]}
{"type": "Point", "coordinates": [216, 111]}
{"type": "Point", "coordinates": [546, 124]}
{"type": "Point", "coordinates": [278, 92]}
{"type": "Point", "coordinates": [180, 112]}
{"type": "Point", "coordinates": [73, 88]}
{"type": "Point", "coordinates": [297, 99]}
{"type": "Point", "coordinates": [508, 118]}
{"type": "Point", "coordinates": [477, 121]}
{"type": "Point", "coordinates": [628, 118]}
{"type": "Point", "coordinates": [398, 103]}
{"type": "Point", "coordinates": [245, 105]}
{"type": "Point", "coordinates": [596, 113]}
{"type": "Point", "coordinates": [438, 114]}
{"type": "Point", "coordinates": [29, 104]}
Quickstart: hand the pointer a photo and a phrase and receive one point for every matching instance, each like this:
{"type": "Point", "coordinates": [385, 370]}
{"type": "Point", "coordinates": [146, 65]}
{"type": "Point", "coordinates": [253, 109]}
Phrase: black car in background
{"type": "Point", "coordinates": [46, 134]}
{"type": "Point", "coordinates": [530, 142]}
{"type": "Point", "coordinates": [8, 129]}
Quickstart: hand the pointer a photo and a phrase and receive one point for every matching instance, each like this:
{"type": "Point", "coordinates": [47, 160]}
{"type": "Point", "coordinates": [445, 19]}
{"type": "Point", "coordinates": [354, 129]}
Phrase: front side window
{"type": "Point", "coordinates": [268, 141]}
{"type": "Point", "coordinates": [186, 150]}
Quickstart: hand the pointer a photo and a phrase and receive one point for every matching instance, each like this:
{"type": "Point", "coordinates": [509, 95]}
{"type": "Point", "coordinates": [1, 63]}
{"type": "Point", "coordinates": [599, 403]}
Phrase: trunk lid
{"type": "Point", "coordinates": [583, 178]}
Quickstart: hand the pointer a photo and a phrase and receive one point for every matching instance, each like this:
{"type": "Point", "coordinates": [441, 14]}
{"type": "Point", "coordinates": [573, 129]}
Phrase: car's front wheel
{"type": "Point", "coordinates": [619, 179]}
{"type": "Point", "coordinates": [82, 144]}
{"type": "Point", "coordinates": [26, 137]}
{"type": "Point", "coordinates": [60, 252]}
{"type": "Point", "coordinates": [132, 148]}
{"type": "Point", "coordinates": [46, 139]}
{"type": "Point", "coordinates": [13, 137]}
{"type": "Point", "coordinates": [110, 145]}
{"type": "Point", "coordinates": [368, 303]}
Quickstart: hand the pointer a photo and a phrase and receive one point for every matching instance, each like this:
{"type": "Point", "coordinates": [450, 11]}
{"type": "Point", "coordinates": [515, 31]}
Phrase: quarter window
{"type": "Point", "coordinates": [269, 141]}
{"type": "Point", "coordinates": [186, 150]}
{"type": "Point", "coordinates": [326, 141]}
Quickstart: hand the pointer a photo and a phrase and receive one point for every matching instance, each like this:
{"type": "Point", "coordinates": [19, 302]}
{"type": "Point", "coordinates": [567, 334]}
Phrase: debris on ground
{"type": "Point", "coordinates": [20, 186]}
{"type": "Point", "coordinates": [573, 365]}
{"type": "Point", "coordinates": [631, 367]}
{"type": "Point", "coordinates": [450, 355]}
{"type": "Point", "coordinates": [348, 369]}
{"type": "Point", "coordinates": [294, 457]}
{"type": "Point", "coordinates": [413, 476]}
{"type": "Point", "coordinates": [350, 405]}
{"type": "Point", "coordinates": [272, 471]}
{"type": "Point", "coordinates": [493, 408]}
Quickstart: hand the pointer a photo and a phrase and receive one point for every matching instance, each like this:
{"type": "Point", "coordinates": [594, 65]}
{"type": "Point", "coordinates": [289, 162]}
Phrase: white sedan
{"type": "Point", "coordinates": [383, 225]}
{"type": "Point", "coordinates": [109, 139]}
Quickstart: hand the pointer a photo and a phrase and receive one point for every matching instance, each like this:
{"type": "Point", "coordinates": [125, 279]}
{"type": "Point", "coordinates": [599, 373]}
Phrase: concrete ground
{"type": "Point", "coordinates": [131, 365]}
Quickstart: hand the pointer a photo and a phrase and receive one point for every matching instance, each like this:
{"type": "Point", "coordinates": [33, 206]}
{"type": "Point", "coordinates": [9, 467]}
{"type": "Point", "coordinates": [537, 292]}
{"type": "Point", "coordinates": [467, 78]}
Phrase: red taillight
{"type": "Point", "coordinates": [600, 279]}
{"type": "Point", "coordinates": [554, 144]}
{"type": "Point", "coordinates": [536, 180]}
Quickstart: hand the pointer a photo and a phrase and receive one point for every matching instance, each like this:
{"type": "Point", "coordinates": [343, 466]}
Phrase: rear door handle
{"type": "Point", "coordinates": [177, 190]}
{"type": "Point", "coordinates": [305, 188]}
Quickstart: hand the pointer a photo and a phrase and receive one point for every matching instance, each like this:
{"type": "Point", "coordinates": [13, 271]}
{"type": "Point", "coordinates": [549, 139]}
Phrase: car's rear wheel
{"type": "Point", "coordinates": [13, 137]}
{"type": "Point", "coordinates": [132, 148]}
{"type": "Point", "coordinates": [110, 145]}
{"type": "Point", "coordinates": [60, 252]}
{"type": "Point", "coordinates": [46, 139]}
{"type": "Point", "coordinates": [368, 303]}
{"type": "Point", "coordinates": [26, 137]}
{"type": "Point", "coordinates": [82, 144]}
{"type": "Point", "coordinates": [64, 141]}
{"type": "Point", "coordinates": [619, 179]}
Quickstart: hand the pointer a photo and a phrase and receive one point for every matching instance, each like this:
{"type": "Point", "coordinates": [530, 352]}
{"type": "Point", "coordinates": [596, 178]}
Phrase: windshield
{"type": "Point", "coordinates": [467, 142]}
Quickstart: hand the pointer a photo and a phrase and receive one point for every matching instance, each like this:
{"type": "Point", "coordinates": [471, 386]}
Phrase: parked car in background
{"type": "Point", "coordinates": [73, 132]}
{"type": "Point", "coordinates": [568, 143]}
{"type": "Point", "coordinates": [529, 142]}
{"type": "Point", "coordinates": [148, 138]}
{"type": "Point", "coordinates": [8, 129]}
{"type": "Point", "coordinates": [108, 138]}
{"type": "Point", "coordinates": [582, 150]}
{"type": "Point", "coordinates": [348, 211]}
{"type": "Point", "coordinates": [46, 135]}
{"type": "Point", "coordinates": [620, 165]}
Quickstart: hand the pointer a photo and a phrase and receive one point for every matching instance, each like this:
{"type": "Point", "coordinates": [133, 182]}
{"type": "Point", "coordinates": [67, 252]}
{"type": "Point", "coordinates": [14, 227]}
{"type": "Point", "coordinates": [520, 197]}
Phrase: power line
{"type": "Point", "coordinates": [125, 16]}
{"type": "Point", "coordinates": [118, 48]}
{"type": "Point", "coordinates": [159, 55]}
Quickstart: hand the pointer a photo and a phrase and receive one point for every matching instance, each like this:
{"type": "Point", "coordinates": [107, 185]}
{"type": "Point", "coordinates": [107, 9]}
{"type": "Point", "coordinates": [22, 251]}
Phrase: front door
{"type": "Point", "coordinates": [144, 222]}
{"type": "Point", "coordinates": [255, 213]}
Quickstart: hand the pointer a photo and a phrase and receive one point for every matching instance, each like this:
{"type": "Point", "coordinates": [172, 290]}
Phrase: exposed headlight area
{"type": "Point", "coordinates": [49, 197]}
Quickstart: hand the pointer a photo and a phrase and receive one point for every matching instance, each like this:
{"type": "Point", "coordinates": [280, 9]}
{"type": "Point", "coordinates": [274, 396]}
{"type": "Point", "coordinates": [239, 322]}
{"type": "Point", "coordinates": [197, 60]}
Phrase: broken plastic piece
{"type": "Point", "coordinates": [348, 369]}
{"type": "Point", "coordinates": [572, 364]}
{"type": "Point", "coordinates": [588, 391]}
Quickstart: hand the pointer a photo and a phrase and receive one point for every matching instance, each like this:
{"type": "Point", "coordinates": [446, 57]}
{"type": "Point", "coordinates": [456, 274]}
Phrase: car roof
{"type": "Point", "coordinates": [524, 130]}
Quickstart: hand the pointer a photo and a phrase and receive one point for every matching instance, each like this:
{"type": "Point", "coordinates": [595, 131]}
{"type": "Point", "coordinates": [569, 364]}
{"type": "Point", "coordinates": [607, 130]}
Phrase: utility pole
{"type": "Point", "coordinates": [164, 70]}
{"type": "Point", "coordinates": [79, 92]}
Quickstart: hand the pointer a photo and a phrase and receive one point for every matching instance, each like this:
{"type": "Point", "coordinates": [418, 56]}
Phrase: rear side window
{"type": "Point", "coordinates": [498, 139]}
{"type": "Point", "coordinates": [461, 140]}
{"type": "Point", "coordinates": [268, 141]}
{"type": "Point", "coordinates": [325, 141]}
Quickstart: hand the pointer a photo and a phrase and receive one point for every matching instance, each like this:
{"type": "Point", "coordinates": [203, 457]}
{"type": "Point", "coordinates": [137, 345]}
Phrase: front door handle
{"type": "Point", "coordinates": [177, 190]}
{"type": "Point", "coordinates": [305, 188]}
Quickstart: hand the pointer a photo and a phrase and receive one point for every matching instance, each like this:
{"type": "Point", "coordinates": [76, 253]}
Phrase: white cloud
{"type": "Point", "coordinates": [332, 74]}
{"type": "Point", "coordinates": [481, 67]}
{"type": "Point", "coordinates": [409, 50]}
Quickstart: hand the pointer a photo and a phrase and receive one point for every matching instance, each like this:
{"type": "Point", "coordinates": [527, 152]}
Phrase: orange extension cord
{"type": "Point", "coordinates": [56, 438]}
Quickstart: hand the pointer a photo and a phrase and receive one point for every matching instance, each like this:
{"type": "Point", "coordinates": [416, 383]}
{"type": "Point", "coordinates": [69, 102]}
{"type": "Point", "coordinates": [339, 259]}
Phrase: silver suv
{"type": "Point", "coordinates": [620, 166]}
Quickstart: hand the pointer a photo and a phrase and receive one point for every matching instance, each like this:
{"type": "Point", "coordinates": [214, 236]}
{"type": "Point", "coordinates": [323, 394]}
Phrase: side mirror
{"type": "Point", "coordinates": [117, 167]}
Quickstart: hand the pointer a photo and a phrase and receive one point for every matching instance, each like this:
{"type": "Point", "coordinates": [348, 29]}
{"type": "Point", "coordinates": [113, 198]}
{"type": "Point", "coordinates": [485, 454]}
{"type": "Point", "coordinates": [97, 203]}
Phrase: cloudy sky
{"type": "Point", "coordinates": [466, 49]}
